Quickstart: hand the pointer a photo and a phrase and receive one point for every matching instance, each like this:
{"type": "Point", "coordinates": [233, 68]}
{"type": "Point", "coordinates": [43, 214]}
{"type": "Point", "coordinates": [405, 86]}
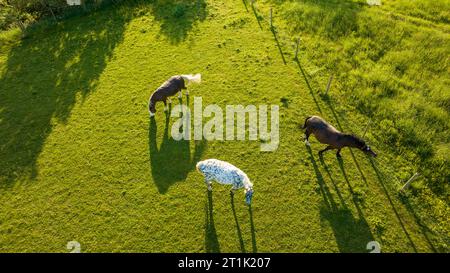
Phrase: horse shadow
{"type": "Point", "coordinates": [212, 244]}
{"type": "Point", "coordinates": [238, 228]}
{"type": "Point", "coordinates": [352, 234]}
{"type": "Point", "coordinates": [172, 161]}
{"type": "Point", "coordinates": [252, 229]}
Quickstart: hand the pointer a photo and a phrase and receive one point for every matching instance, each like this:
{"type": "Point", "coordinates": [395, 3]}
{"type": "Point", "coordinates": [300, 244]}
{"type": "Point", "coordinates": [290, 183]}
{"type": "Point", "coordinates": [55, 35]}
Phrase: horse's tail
{"type": "Point", "coordinates": [197, 78]}
{"type": "Point", "coordinates": [306, 120]}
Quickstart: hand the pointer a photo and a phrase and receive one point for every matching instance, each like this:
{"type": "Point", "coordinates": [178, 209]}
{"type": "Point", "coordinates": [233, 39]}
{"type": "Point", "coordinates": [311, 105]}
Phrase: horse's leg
{"type": "Point", "coordinates": [233, 189]}
{"type": "Point", "coordinates": [208, 182]}
{"type": "Point", "coordinates": [338, 153]}
{"type": "Point", "coordinates": [165, 106]}
{"type": "Point", "coordinates": [169, 100]}
{"type": "Point", "coordinates": [326, 149]}
{"type": "Point", "coordinates": [307, 134]}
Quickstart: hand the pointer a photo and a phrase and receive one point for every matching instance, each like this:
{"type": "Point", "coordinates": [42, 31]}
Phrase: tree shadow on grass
{"type": "Point", "coordinates": [172, 161]}
{"type": "Point", "coordinates": [211, 242]}
{"type": "Point", "coordinates": [332, 18]}
{"type": "Point", "coordinates": [178, 17]}
{"type": "Point", "coordinates": [45, 74]}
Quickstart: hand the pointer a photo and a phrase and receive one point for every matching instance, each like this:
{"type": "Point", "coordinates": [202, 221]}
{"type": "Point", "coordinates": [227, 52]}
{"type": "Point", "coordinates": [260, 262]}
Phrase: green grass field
{"type": "Point", "coordinates": [80, 159]}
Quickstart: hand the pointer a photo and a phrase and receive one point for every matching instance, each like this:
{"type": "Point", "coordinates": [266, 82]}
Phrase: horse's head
{"type": "Point", "coordinates": [361, 144]}
{"type": "Point", "coordinates": [366, 149]}
{"type": "Point", "coordinates": [200, 166]}
{"type": "Point", "coordinates": [248, 196]}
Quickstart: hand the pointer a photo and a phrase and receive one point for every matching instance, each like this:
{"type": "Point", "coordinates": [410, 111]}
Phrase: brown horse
{"type": "Point", "coordinates": [327, 134]}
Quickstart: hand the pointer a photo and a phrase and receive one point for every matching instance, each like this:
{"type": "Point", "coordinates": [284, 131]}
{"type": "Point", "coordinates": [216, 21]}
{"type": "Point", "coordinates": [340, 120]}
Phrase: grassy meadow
{"type": "Point", "coordinates": [80, 159]}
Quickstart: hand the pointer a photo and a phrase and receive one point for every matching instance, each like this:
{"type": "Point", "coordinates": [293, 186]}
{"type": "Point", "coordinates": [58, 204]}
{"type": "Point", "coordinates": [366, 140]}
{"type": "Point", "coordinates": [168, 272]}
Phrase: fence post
{"type": "Point", "coordinates": [329, 84]}
{"type": "Point", "coordinates": [296, 50]}
{"type": "Point", "coordinates": [406, 186]}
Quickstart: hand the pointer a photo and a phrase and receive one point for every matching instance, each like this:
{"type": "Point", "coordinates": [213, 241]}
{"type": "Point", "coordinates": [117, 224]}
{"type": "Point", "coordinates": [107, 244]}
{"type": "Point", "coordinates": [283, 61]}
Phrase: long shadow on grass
{"type": "Point", "coordinates": [257, 16]}
{"type": "Point", "coordinates": [380, 180]}
{"type": "Point", "coordinates": [211, 242]}
{"type": "Point", "coordinates": [352, 234]}
{"type": "Point", "coordinates": [252, 229]}
{"type": "Point", "coordinates": [274, 32]}
{"type": "Point", "coordinates": [238, 228]}
{"type": "Point", "coordinates": [172, 161]}
{"type": "Point", "coordinates": [324, 190]}
{"type": "Point", "coordinates": [330, 18]}
{"type": "Point", "coordinates": [178, 18]}
{"type": "Point", "coordinates": [46, 73]}
{"type": "Point", "coordinates": [426, 231]}
{"type": "Point", "coordinates": [311, 92]}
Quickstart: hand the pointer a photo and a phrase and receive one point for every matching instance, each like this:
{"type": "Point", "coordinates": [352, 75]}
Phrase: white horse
{"type": "Point", "coordinates": [224, 173]}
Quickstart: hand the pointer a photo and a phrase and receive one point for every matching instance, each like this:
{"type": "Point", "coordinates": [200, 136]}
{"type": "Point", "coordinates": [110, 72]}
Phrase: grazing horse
{"type": "Point", "coordinates": [169, 88]}
{"type": "Point", "coordinates": [327, 134]}
{"type": "Point", "coordinates": [224, 173]}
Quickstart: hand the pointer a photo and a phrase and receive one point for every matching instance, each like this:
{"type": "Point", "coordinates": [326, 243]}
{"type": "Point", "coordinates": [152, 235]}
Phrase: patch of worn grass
{"type": "Point", "coordinates": [80, 159]}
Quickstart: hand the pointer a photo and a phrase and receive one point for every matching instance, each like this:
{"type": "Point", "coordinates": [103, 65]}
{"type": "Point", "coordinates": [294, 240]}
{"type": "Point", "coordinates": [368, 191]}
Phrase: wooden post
{"type": "Point", "coordinates": [367, 128]}
{"type": "Point", "coordinates": [406, 186]}
{"type": "Point", "coordinates": [296, 50]}
{"type": "Point", "coordinates": [329, 84]}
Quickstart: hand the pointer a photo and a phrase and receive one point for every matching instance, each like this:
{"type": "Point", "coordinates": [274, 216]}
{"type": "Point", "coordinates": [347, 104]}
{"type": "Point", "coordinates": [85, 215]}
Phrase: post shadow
{"type": "Point", "coordinates": [311, 92]}
{"type": "Point", "coordinates": [172, 161]}
{"type": "Point", "coordinates": [380, 181]}
{"type": "Point", "coordinates": [245, 4]}
{"type": "Point", "coordinates": [239, 233]}
{"type": "Point", "coordinates": [211, 241]}
{"type": "Point", "coordinates": [423, 226]}
{"type": "Point", "coordinates": [256, 15]}
{"type": "Point", "coordinates": [272, 29]}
